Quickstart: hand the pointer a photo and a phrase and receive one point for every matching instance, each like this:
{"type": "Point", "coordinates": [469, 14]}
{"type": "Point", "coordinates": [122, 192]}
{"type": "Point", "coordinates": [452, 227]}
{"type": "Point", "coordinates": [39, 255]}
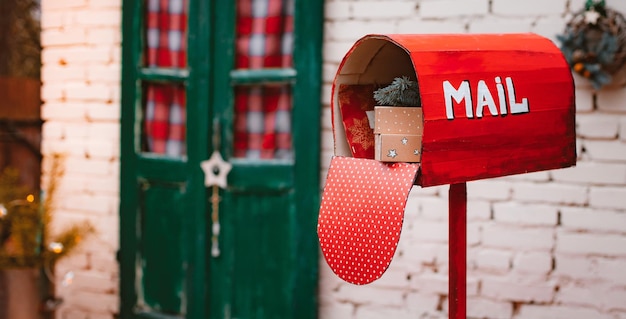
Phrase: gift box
{"type": "Point", "coordinates": [398, 134]}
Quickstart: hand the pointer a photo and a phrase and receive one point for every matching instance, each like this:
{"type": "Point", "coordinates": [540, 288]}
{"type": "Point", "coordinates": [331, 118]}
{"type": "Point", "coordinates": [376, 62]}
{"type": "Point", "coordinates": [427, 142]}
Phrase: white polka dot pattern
{"type": "Point", "coordinates": [361, 215]}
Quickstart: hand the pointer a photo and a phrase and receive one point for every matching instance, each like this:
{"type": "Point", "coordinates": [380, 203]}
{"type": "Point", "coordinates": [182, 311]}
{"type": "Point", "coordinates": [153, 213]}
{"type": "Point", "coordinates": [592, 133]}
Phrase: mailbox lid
{"type": "Point", "coordinates": [489, 70]}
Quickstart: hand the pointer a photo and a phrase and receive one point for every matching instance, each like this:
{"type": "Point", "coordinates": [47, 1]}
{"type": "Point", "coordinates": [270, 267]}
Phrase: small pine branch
{"type": "Point", "coordinates": [401, 92]}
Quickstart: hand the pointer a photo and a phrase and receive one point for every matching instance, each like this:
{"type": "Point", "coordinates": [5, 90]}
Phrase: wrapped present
{"type": "Point", "coordinates": [398, 134]}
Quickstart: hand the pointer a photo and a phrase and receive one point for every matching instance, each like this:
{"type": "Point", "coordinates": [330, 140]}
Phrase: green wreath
{"type": "Point", "coordinates": [594, 42]}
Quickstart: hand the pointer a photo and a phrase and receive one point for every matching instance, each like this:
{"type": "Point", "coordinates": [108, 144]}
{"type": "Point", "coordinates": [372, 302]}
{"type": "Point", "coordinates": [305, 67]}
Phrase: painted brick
{"type": "Point", "coordinates": [103, 36]}
{"type": "Point", "coordinates": [622, 128]}
{"type": "Point", "coordinates": [608, 197]}
{"type": "Point", "coordinates": [414, 25]}
{"type": "Point", "coordinates": [478, 210]}
{"type": "Point", "coordinates": [105, 4]}
{"type": "Point", "coordinates": [369, 295]}
{"type": "Point", "coordinates": [102, 111]}
{"type": "Point", "coordinates": [375, 10]}
{"type": "Point", "coordinates": [592, 173]}
{"type": "Point", "coordinates": [612, 100]}
{"type": "Point", "coordinates": [433, 208]}
{"type": "Point", "coordinates": [541, 176]}
{"type": "Point", "coordinates": [56, 73]}
{"type": "Point", "coordinates": [93, 281]}
{"type": "Point", "coordinates": [353, 30]}
{"type": "Point", "coordinates": [486, 308]}
{"type": "Point", "coordinates": [334, 51]}
{"type": "Point", "coordinates": [516, 238]}
{"type": "Point", "coordinates": [430, 283]}
{"type": "Point", "coordinates": [63, 37]}
{"type": "Point", "coordinates": [337, 10]}
{"type": "Point", "coordinates": [528, 7]}
{"type": "Point", "coordinates": [590, 269]}
{"type": "Point", "coordinates": [100, 17]}
{"type": "Point", "coordinates": [421, 303]}
{"type": "Point", "coordinates": [452, 8]}
{"type": "Point", "coordinates": [431, 231]}
{"type": "Point", "coordinates": [550, 193]}
{"type": "Point", "coordinates": [579, 295]}
{"type": "Point", "coordinates": [590, 244]}
{"type": "Point", "coordinates": [514, 289]}
{"type": "Point", "coordinates": [88, 92]}
{"type": "Point", "coordinates": [500, 25]}
{"type": "Point", "coordinates": [584, 101]}
{"type": "Point", "coordinates": [597, 125]}
{"type": "Point", "coordinates": [559, 312]}
{"type": "Point", "coordinates": [549, 27]}
{"type": "Point", "coordinates": [93, 302]}
{"type": "Point", "coordinates": [494, 260]}
{"type": "Point", "coordinates": [596, 220]}
{"type": "Point", "coordinates": [53, 19]}
{"type": "Point", "coordinates": [105, 149]}
{"type": "Point", "coordinates": [104, 130]}
{"type": "Point", "coordinates": [522, 214]}
{"type": "Point", "coordinates": [62, 111]}
{"type": "Point", "coordinates": [532, 262]}
{"type": "Point", "coordinates": [52, 92]}
{"type": "Point", "coordinates": [330, 309]}
{"type": "Point", "coordinates": [605, 150]}
{"type": "Point", "coordinates": [375, 312]}
{"type": "Point", "coordinates": [489, 189]}
{"type": "Point", "coordinates": [50, 5]}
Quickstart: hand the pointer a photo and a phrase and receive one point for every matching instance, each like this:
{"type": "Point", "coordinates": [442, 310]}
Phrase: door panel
{"type": "Point", "coordinates": [263, 254]}
{"type": "Point", "coordinates": [162, 262]}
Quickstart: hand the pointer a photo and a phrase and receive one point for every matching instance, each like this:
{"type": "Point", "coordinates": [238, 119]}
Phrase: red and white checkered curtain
{"type": "Point", "coordinates": [164, 104]}
{"type": "Point", "coordinates": [263, 112]}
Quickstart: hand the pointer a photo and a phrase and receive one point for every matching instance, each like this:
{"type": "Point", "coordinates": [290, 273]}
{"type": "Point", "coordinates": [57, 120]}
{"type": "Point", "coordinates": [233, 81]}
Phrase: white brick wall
{"type": "Point", "coordinates": [80, 75]}
{"type": "Point", "coordinates": [541, 245]}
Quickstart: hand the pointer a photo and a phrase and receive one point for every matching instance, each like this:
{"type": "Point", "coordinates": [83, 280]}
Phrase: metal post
{"type": "Point", "coordinates": [457, 255]}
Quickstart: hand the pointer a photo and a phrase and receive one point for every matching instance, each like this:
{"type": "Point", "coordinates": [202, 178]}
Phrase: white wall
{"type": "Point", "coordinates": [81, 76]}
{"type": "Point", "coordinates": [542, 245]}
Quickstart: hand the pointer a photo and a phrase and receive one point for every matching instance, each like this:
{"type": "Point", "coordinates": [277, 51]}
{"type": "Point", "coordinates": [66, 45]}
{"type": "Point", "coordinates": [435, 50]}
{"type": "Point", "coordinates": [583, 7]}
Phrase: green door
{"type": "Point", "coordinates": [190, 90]}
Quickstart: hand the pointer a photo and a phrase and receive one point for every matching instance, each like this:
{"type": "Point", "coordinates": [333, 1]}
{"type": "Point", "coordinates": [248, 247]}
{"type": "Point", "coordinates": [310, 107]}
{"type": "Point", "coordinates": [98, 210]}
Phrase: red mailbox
{"type": "Point", "coordinates": [491, 105]}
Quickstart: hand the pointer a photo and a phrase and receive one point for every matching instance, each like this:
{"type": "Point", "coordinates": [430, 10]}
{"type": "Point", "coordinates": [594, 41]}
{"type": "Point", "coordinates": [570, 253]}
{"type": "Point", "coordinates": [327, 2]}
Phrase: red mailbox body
{"type": "Point", "coordinates": [493, 104]}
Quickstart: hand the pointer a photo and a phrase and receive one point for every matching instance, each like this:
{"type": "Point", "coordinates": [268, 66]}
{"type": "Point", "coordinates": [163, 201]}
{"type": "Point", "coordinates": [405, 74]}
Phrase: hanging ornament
{"type": "Point", "coordinates": [594, 43]}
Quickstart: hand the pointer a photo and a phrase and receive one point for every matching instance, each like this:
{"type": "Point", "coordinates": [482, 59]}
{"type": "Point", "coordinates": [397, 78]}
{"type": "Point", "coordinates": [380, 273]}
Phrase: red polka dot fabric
{"type": "Point", "coordinates": [361, 215]}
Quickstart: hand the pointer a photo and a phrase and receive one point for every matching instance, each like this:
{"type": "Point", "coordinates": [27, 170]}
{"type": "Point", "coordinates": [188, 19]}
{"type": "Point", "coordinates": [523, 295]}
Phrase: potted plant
{"type": "Point", "coordinates": [28, 248]}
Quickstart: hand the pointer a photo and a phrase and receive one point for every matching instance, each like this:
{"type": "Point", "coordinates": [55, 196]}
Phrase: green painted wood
{"type": "Point", "coordinates": [163, 201]}
{"type": "Point", "coordinates": [268, 266]}
{"type": "Point", "coordinates": [163, 252]}
{"type": "Point", "coordinates": [164, 75]}
{"type": "Point", "coordinates": [262, 76]}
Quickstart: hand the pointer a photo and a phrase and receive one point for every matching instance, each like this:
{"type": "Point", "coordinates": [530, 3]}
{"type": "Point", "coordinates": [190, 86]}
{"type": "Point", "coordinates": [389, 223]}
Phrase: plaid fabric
{"type": "Point", "coordinates": [166, 33]}
{"type": "Point", "coordinates": [263, 113]}
{"type": "Point", "coordinates": [164, 119]}
{"type": "Point", "coordinates": [166, 47]}
{"type": "Point", "coordinates": [263, 122]}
